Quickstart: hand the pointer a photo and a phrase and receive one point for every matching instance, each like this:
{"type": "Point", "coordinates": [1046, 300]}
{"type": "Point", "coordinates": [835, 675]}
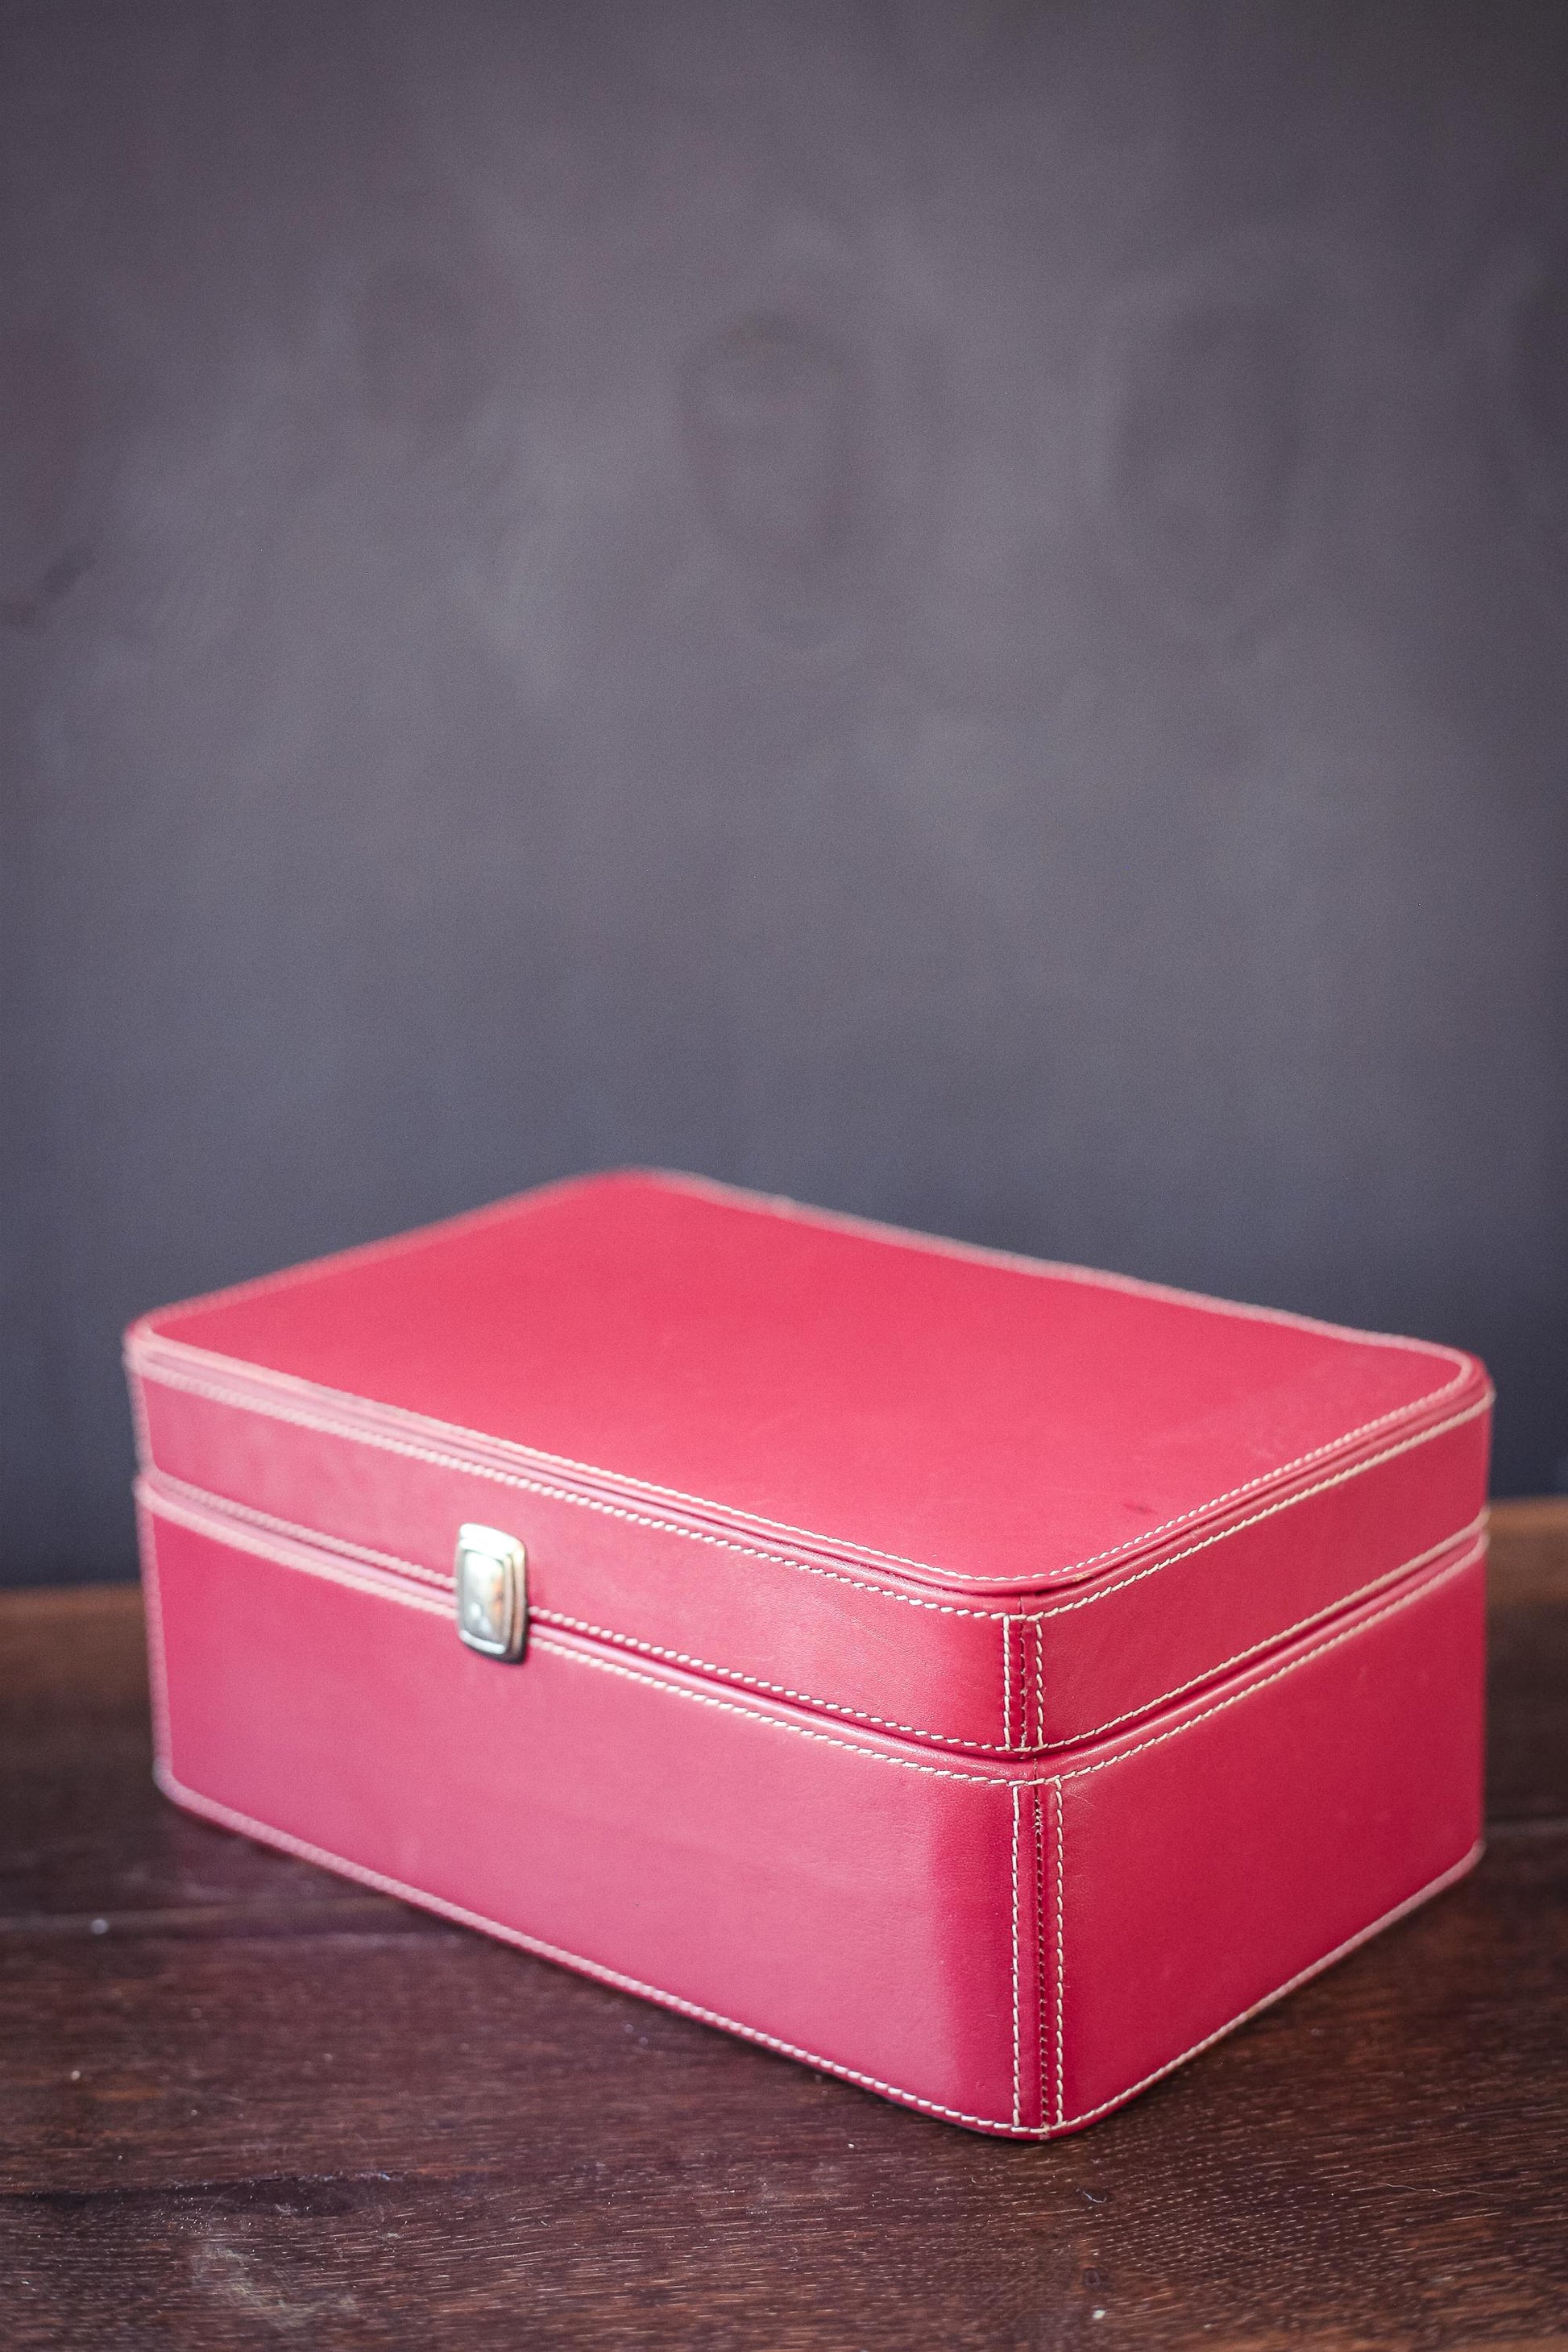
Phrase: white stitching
{"type": "Point", "coordinates": [287, 1384]}
{"type": "Point", "coordinates": [1270, 1641]}
{"type": "Point", "coordinates": [248, 1826]}
{"type": "Point", "coordinates": [1006, 1683]}
{"type": "Point", "coordinates": [1240, 1526]}
{"type": "Point", "coordinates": [299, 1558]}
{"type": "Point", "coordinates": [1056, 1270]}
{"type": "Point", "coordinates": [754, 1682]}
{"type": "Point", "coordinates": [670, 1526]}
{"type": "Point", "coordinates": [1061, 1963]}
{"type": "Point", "coordinates": [1040, 1947]}
{"type": "Point", "coordinates": [214, 1511]}
{"type": "Point", "coordinates": [518, 1204]}
{"type": "Point", "coordinates": [976, 1779]}
{"type": "Point", "coordinates": [163, 1376]}
{"type": "Point", "coordinates": [252, 1540]}
{"type": "Point", "coordinates": [358, 1253]}
{"type": "Point", "coordinates": [1015, 1261]}
{"type": "Point", "coordinates": [762, 1205]}
{"type": "Point", "coordinates": [166, 1376]}
{"type": "Point", "coordinates": [1039, 1687]}
{"type": "Point", "coordinates": [1314, 1967]}
{"type": "Point", "coordinates": [1017, 2116]}
{"type": "Point", "coordinates": [973, 1779]}
{"type": "Point", "coordinates": [273, 1382]}
{"type": "Point", "coordinates": [220, 1507]}
{"type": "Point", "coordinates": [165, 1774]}
{"type": "Point", "coordinates": [1320, 1650]}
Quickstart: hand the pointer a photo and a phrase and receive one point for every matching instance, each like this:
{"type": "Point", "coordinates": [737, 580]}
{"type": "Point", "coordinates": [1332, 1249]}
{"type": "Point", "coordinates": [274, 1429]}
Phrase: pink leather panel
{"type": "Point", "coordinates": [827, 1636]}
{"type": "Point", "coordinates": [814, 1891]}
{"type": "Point", "coordinates": [1229, 1849]}
{"type": "Point", "coordinates": [987, 1680]}
{"type": "Point", "coordinates": [970, 1417]}
{"type": "Point", "coordinates": [1147, 1634]}
{"type": "Point", "coordinates": [928, 1662]}
{"type": "Point", "coordinates": [1011, 1948]}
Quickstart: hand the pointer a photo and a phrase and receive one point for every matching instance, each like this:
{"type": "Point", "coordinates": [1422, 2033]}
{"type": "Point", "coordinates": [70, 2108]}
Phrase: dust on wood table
{"type": "Point", "coordinates": [246, 2103]}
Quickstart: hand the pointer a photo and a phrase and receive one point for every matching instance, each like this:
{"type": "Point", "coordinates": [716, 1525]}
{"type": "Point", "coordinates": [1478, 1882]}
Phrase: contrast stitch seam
{"type": "Point", "coordinates": [1058, 1994]}
{"type": "Point", "coordinates": [1095, 1278]}
{"type": "Point", "coordinates": [1039, 1689]}
{"type": "Point", "coordinates": [1017, 2116]}
{"type": "Point", "coordinates": [252, 1540]}
{"type": "Point", "coordinates": [975, 1778]}
{"type": "Point", "coordinates": [300, 1562]}
{"type": "Point", "coordinates": [519, 1204]}
{"type": "Point", "coordinates": [754, 1682]}
{"type": "Point", "coordinates": [163, 1376]}
{"type": "Point", "coordinates": [1320, 1650]}
{"type": "Point", "coordinates": [1287, 1503]}
{"type": "Point", "coordinates": [308, 1537]}
{"type": "Point", "coordinates": [1314, 1967]}
{"type": "Point", "coordinates": [222, 1506]}
{"type": "Point", "coordinates": [1006, 1683]}
{"type": "Point", "coordinates": [1040, 1949]}
{"type": "Point", "coordinates": [249, 1826]}
{"type": "Point", "coordinates": [751, 1714]}
{"type": "Point", "coordinates": [285, 1408]}
{"type": "Point", "coordinates": [985, 1253]}
{"type": "Point", "coordinates": [282, 1384]}
{"type": "Point", "coordinates": [404, 1245]}
{"type": "Point", "coordinates": [1271, 1641]}
{"type": "Point", "coordinates": [1233, 1494]}
{"type": "Point", "coordinates": [216, 1509]}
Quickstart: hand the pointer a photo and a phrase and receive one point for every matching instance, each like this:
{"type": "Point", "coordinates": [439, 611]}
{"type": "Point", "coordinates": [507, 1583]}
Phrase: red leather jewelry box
{"type": "Point", "coordinates": [986, 1680]}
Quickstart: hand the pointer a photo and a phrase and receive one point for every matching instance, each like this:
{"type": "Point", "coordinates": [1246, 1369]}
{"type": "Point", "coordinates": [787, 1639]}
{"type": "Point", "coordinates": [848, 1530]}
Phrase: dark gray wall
{"type": "Point", "coordinates": [957, 610]}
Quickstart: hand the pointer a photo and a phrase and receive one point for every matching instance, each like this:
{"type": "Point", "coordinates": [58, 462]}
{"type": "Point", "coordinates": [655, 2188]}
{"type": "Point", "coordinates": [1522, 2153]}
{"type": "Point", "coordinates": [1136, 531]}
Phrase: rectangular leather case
{"type": "Point", "coordinates": [987, 1680]}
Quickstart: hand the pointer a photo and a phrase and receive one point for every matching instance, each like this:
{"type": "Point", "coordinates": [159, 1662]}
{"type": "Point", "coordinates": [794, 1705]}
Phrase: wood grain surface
{"type": "Point", "coordinates": [245, 2103]}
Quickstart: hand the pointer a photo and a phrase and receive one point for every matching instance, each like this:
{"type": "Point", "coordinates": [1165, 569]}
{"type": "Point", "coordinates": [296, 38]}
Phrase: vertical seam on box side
{"type": "Point", "coordinates": [268, 1834]}
{"type": "Point", "coordinates": [1040, 1951]}
{"type": "Point", "coordinates": [1007, 1682]}
{"type": "Point", "coordinates": [1061, 1874]}
{"type": "Point", "coordinates": [1017, 2031]}
{"type": "Point", "coordinates": [1039, 1687]}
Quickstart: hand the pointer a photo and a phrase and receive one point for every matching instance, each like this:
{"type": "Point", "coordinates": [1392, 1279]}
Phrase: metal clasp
{"type": "Point", "coordinates": [492, 1591]}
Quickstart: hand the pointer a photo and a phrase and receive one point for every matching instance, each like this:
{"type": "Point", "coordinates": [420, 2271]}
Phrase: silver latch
{"type": "Point", "coordinates": [492, 1591]}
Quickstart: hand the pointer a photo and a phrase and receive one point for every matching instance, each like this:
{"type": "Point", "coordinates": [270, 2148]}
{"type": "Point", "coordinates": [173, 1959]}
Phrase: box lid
{"type": "Point", "coordinates": [997, 1446]}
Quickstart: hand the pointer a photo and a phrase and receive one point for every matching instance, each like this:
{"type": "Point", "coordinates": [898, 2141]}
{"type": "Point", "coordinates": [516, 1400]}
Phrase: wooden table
{"type": "Point", "coordinates": [242, 2103]}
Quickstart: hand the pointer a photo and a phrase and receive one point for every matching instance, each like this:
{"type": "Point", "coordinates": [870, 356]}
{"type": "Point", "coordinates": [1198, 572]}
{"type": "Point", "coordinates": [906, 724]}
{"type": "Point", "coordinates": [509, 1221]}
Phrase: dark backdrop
{"type": "Point", "coordinates": [961, 611]}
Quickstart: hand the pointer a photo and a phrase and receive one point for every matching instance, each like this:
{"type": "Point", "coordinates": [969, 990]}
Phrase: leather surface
{"type": "Point", "coordinates": [717, 1426]}
{"type": "Point", "coordinates": [925, 1405]}
{"type": "Point", "coordinates": [1013, 1948]}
